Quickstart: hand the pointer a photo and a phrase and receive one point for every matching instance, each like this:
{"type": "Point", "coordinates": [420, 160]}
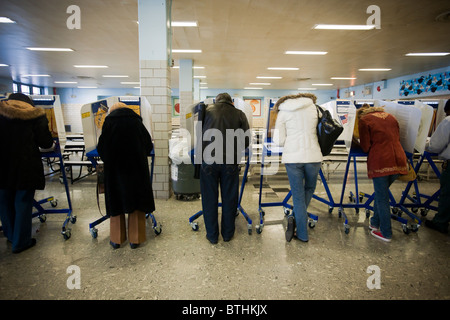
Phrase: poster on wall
{"type": "Point", "coordinates": [431, 83]}
{"type": "Point", "coordinates": [255, 103]}
{"type": "Point", "coordinates": [175, 106]}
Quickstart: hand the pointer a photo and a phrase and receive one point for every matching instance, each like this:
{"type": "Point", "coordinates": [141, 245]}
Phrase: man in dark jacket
{"type": "Point", "coordinates": [124, 146]}
{"type": "Point", "coordinates": [23, 129]}
{"type": "Point", "coordinates": [225, 135]}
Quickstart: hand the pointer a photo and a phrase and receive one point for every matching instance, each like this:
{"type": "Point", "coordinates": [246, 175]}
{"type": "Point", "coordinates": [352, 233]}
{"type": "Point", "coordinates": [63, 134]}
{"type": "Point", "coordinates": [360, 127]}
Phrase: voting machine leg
{"type": "Point", "coordinates": [240, 209]}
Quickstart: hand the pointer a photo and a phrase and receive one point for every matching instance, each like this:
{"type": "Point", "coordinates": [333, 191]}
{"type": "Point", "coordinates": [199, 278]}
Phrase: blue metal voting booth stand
{"type": "Point", "coordinates": [284, 203]}
{"type": "Point", "coordinates": [416, 201]}
{"type": "Point", "coordinates": [93, 157]}
{"type": "Point", "coordinates": [356, 199]}
{"type": "Point", "coordinates": [38, 204]}
{"type": "Point", "coordinates": [240, 209]}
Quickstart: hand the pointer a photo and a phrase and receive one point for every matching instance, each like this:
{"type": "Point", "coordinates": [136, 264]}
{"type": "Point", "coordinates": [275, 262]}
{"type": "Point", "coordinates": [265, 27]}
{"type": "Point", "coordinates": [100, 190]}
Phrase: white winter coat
{"type": "Point", "coordinates": [295, 130]}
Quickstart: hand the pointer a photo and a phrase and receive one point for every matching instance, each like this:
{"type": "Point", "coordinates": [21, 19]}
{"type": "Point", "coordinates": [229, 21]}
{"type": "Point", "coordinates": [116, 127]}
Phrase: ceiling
{"type": "Point", "coordinates": [239, 40]}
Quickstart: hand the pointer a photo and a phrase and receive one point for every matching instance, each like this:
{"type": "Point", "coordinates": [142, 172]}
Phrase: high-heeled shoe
{"type": "Point", "coordinates": [114, 245]}
{"type": "Point", "coordinates": [134, 245]}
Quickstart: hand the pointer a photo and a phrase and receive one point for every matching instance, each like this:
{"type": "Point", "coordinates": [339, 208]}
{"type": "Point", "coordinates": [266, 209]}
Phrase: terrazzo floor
{"type": "Point", "coordinates": [180, 264]}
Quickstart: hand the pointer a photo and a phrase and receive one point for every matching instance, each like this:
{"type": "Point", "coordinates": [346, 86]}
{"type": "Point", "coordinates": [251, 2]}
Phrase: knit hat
{"type": "Point", "coordinates": [21, 97]}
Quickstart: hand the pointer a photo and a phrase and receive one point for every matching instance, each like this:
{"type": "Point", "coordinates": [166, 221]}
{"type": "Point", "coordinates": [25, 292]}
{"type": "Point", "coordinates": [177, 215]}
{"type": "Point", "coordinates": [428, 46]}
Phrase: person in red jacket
{"type": "Point", "coordinates": [380, 138]}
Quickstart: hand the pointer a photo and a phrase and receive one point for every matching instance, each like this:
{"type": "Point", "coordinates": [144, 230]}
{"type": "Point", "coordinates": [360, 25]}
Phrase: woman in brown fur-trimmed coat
{"type": "Point", "coordinates": [124, 146]}
{"type": "Point", "coordinates": [23, 129]}
{"type": "Point", "coordinates": [380, 138]}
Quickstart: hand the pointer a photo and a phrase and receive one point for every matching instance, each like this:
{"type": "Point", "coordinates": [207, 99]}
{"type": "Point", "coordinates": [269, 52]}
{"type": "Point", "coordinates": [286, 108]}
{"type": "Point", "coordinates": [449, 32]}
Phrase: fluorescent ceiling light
{"type": "Point", "coordinates": [6, 20]}
{"type": "Point", "coordinates": [306, 89]}
{"type": "Point", "coordinates": [49, 49]}
{"type": "Point", "coordinates": [248, 88]}
{"type": "Point", "coordinates": [89, 66]}
{"type": "Point", "coordinates": [427, 54]}
{"type": "Point", "coordinates": [184, 24]}
{"type": "Point", "coordinates": [66, 82]}
{"type": "Point", "coordinates": [178, 67]}
{"type": "Point", "coordinates": [321, 84]}
{"type": "Point", "coordinates": [274, 68]}
{"type": "Point", "coordinates": [3, 65]}
{"type": "Point", "coordinates": [260, 83]}
{"type": "Point", "coordinates": [203, 87]}
{"type": "Point", "coordinates": [186, 51]}
{"type": "Point", "coordinates": [344, 27]}
{"type": "Point", "coordinates": [114, 76]}
{"type": "Point", "coordinates": [199, 77]}
{"type": "Point", "coordinates": [130, 82]}
{"type": "Point", "coordinates": [269, 77]}
{"type": "Point", "coordinates": [375, 69]}
{"type": "Point", "coordinates": [342, 78]}
{"type": "Point", "coordinates": [307, 52]}
{"type": "Point", "coordinates": [36, 75]}
{"type": "Point", "coordinates": [86, 87]}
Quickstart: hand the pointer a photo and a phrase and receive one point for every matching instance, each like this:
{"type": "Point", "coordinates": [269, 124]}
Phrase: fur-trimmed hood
{"type": "Point", "coordinates": [294, 102]}
{"type": "Point", "coordinates": [16, 109]}
{"type": "Point", "coordinates": [371, 110]}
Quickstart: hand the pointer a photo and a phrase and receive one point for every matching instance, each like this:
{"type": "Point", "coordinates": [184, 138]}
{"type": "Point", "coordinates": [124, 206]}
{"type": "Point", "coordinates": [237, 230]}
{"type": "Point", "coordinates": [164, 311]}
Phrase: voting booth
{"type": "Point", "coordinates": [52, 106]}
{"type": "Point", "coordinates": [270, 163]}
{"type": "Point", "coordinates": [189, 145]}
{"type": "Point", "coordinates": [93, 116]}
{"type": "Point", "coordinates": [431, 111]}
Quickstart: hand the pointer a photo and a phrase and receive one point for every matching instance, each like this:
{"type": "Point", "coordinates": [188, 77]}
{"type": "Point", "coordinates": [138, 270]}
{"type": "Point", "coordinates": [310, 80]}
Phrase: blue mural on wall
{"type": "Point", "coordinates": [425, 84]}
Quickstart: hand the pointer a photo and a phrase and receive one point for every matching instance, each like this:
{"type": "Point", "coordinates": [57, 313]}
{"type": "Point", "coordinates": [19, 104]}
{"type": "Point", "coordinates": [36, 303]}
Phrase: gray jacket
{"type": "Point", "coordinates": [440, 140]}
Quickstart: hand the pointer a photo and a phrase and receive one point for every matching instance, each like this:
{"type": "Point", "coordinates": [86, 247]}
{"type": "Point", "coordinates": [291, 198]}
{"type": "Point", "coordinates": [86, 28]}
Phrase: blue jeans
{"type": "Point", "coordinates": [15, 213]}
{"type": "Point", "coordinates": [302, 179]}
{"type": "Point", "coordinates": [382, 210]}
{"type": "Point", "coordinates": [227, 176]}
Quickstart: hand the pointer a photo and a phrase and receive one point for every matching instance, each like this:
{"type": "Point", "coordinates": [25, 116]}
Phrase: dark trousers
{"type": "Point", "coordinates": [442, 217]}
{"type": "Point", "coordinates": [15, 213]}
{"type": "Point", "coordinates": [227, 177]}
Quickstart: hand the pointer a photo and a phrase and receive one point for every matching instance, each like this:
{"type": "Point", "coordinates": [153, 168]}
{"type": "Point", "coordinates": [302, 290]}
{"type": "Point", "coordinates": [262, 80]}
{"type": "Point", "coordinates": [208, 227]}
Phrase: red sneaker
{"type": "Point", "coordinates": [371, 227]}
{"type": "Point", "coordinates": [377, 234]}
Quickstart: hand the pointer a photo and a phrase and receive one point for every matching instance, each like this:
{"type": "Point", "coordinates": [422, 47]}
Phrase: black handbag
{"type": "Point", "coordinates": [328, 130]}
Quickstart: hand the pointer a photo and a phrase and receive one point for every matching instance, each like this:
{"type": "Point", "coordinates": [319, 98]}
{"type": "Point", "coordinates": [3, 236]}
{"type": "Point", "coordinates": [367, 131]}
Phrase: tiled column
{"type": "Point", "coordinates": [186, 87]}
{"type": "Point", "coordinates": [155, 85]}
{"type": "Point", "coordinates": [196, 90]}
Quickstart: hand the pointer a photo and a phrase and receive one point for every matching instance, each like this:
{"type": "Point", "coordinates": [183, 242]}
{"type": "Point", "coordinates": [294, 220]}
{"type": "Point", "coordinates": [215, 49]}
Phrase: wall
{"type": "Point", "coordinates": [73, 98]}
{"type": "Point", "coordinates": [390, 89]}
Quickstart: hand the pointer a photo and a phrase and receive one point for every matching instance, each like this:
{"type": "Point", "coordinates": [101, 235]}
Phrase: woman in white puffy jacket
{"type": "Point", "coordinates": [295, 130]}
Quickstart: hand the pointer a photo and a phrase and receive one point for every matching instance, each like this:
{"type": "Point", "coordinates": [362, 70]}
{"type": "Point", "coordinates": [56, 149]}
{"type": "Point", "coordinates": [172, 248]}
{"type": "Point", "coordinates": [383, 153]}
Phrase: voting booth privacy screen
{"type": "Point", "coordinates": [93, 116]}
